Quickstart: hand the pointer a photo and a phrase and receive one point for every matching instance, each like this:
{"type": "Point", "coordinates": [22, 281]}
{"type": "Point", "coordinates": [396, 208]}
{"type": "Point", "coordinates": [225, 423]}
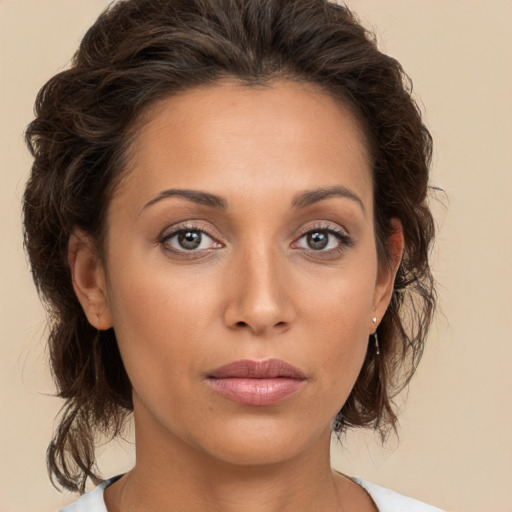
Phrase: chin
{"type": "Point", "coordinates": [259, 442]}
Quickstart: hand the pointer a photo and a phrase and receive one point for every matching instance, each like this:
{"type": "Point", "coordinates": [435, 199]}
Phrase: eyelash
{"type": "Point", "coordinates": [345, 240]}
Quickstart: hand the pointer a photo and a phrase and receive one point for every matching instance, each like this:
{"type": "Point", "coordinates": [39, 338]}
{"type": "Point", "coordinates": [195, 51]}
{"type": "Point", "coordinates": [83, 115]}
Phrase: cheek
{"type": "Point", "coordinates": [162, 319]}
{"type": "Point", "coordinates": [147, 294]}
{"type": "Point", "coordinates": [342, 302]}
{"type": "Point", "coordinates": [338, 321]}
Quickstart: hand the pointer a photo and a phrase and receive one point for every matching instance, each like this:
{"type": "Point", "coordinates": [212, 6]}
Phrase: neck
{"type": "Point", "coordinates": [171, 474]}
{"type": "Point", "coordinates": [262, 489]}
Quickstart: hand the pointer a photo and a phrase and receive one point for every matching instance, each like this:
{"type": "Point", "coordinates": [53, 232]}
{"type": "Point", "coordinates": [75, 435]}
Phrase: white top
{"type": "Point", "coordinates": [385, 499]}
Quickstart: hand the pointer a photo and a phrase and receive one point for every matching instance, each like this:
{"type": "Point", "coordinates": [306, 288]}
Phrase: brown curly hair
{"type": "Point", "coordinates": [140, 51]}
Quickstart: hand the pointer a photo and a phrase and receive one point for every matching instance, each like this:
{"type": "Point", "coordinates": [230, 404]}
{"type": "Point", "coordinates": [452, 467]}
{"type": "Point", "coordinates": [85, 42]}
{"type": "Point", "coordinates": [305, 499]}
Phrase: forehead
{"type": "Point", "coordinates": [227, 137]}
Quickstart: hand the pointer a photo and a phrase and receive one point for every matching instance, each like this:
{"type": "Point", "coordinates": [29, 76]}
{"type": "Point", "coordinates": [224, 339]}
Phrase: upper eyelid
{"type": "Point", "coordinates": [174, 229]}
{"type": "Point", "coordinates": [321, 228]}
{"type": "Point", "coordinates": [324, 226]}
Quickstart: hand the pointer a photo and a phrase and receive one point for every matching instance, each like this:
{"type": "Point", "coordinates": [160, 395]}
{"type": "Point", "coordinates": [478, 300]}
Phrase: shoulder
{"type": "Point", "coordinates": [390, 501]}
{"type": "Point", "coordinates": [92, 501]}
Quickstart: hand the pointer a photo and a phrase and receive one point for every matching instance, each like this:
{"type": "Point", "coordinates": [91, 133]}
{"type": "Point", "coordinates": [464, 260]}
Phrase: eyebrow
{"type": "Point", "coordinates": [196, 196]}
{"type": "Point", "coordinates": [307, 198]}
{"type": "Point", "coordinates": [314, 196]}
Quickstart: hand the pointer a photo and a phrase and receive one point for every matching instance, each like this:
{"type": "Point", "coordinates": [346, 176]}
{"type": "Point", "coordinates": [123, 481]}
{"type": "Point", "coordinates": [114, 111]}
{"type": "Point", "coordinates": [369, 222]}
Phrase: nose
{"type": "Point", "coordinates": [259, 298]}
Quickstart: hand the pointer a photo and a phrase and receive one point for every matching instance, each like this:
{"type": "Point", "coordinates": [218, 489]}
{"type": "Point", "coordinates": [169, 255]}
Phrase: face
{"type": "Point", "coordinates": [241, 274]}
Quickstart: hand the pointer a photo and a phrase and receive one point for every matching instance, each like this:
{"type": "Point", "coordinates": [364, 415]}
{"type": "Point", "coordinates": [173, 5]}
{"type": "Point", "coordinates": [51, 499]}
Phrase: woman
{"type": "Point", "coordinates": [227, 219]}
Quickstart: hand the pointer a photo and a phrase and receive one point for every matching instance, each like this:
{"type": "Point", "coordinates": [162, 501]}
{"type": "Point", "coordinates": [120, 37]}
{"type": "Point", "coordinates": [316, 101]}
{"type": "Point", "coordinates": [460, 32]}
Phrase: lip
{"type": "Point", "coordinates": [256, 383]}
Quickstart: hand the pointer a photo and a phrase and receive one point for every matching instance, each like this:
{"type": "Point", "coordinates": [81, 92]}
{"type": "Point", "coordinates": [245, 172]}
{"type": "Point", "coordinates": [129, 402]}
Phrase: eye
{"type": "Point", "coordinates": [188, 239]}
{"type": "Point", "coordinates": [323, 240]}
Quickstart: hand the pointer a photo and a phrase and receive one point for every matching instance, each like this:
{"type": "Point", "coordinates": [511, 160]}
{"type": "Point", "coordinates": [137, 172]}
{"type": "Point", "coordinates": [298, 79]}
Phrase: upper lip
{"type": "Point", "coordinates": [266, 369]}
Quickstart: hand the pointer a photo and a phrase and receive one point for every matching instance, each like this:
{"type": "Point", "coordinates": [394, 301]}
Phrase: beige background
{"type": "Point", "coordinates": [455, 447]}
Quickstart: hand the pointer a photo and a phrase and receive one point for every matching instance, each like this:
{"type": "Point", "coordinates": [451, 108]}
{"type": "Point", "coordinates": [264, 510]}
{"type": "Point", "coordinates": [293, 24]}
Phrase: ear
{"type": "Point", "coordinates": [89, 280]}
{"type": "Point", "coordinates": [387, 271]}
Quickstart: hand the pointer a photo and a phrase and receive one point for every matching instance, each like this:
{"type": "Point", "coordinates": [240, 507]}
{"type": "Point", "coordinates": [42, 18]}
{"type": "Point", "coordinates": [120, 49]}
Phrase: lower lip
{"type": "Point", "coordinates": [258, 392]}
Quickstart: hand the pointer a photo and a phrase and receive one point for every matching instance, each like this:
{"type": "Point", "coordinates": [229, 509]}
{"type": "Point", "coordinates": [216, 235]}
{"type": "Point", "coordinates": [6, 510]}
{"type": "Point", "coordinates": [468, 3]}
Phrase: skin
{"type": "Point", "coordinates": [254, 289]}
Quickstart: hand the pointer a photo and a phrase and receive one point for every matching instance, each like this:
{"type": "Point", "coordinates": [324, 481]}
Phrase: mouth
{"type": "Point", "coordinates": [256, 383]}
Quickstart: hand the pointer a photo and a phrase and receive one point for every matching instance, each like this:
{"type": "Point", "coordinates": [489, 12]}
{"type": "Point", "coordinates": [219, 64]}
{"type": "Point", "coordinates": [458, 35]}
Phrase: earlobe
{"type": "Point", "coordinates": [387, 271]}
{"type": "Point", "coordinates": [89, 282]}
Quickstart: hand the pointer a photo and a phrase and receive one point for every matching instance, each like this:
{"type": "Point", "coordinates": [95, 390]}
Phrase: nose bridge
{"type": "Point", "coordinates": [259, 300]}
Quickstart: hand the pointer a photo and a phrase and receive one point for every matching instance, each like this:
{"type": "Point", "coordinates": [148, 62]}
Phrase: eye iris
{"type": "Point", "coordinates": [318, 240]}
{"type": "Point", "coordinates": [189, 239]}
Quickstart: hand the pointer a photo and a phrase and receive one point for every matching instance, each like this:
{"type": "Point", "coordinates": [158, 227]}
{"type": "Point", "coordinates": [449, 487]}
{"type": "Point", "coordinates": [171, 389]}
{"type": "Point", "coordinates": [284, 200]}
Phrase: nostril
{"type": "Point", "coordinates": [245, 324]}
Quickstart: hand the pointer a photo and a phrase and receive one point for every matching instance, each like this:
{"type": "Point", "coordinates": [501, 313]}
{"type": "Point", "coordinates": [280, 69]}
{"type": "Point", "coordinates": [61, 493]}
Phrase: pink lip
{"type": "Point", "coordinates": [256, 383]}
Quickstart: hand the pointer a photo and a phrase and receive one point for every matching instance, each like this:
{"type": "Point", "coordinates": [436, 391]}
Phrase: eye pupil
{"type": "Point", "coordinates": [189, 239]}
{"type": "Point", "coordinates": [318, 240]}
